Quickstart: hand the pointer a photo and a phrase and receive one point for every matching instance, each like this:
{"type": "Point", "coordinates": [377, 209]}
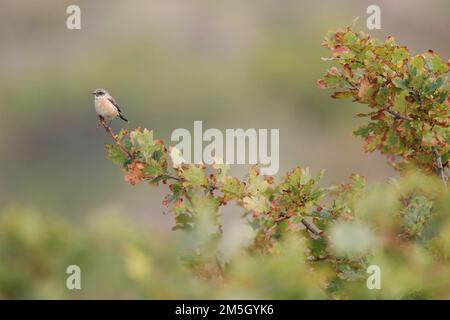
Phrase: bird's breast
{"type": "Point", "coordinates": [105, 108]}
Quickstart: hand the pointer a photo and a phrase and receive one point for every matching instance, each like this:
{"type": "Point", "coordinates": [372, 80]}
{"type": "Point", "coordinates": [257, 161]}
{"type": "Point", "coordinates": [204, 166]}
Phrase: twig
{"type": "Point", "coordinates": [164, 177]}
{"type": "Point", "coordinates": [397, 116]}
{"type": "Point", "coordinates": [174, 178]}
{"type": "Point", "coordinates": [313, 229]}
{"type": "Point", "coordinates": [117, 140]}
{"type": "Point", "coordinates": [281, 218]}
{"type": "Point", "coordinates": [438, 160]}
{"type": "Point", "coordinates": [308, 225]}
{"type": "Point", "coordinates": [440, 167]}
{"type": "Point", "coordinates": [102, 122]}
{"type": "Point", "coordinates": [108, 129]}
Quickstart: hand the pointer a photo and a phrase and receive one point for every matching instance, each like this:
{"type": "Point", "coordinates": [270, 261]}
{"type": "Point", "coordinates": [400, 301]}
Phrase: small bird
{"type": "Point", "coordinates": [106, 107]}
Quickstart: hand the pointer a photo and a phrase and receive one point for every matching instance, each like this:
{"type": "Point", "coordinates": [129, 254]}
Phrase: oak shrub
{"type": "Point", "coordinates": [340, 230]}
{"type": "Point", "coordinates": [299, 240]}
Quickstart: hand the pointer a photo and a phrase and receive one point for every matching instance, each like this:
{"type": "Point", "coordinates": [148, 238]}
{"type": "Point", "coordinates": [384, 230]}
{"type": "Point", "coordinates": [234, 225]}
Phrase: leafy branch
{"type": "Point", "coordinates": [271, 207]}
{"type": "Point", "coordinates": [102, 122]}
{"type": "Point", "coordinates": [409, 121]}
{"type": "Point", "coordinates": [412, 89]}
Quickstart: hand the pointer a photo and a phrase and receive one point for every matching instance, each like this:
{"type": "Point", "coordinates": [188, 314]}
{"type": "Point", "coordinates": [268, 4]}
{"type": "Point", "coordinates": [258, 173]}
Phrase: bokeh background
{"type": "Point", "coordinates": [231, 64]}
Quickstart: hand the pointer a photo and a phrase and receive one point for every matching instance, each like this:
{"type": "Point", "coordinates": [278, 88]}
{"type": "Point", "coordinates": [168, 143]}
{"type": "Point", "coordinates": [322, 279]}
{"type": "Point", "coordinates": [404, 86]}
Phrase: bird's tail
{"type": "Point", "coordinates": [122, 117]}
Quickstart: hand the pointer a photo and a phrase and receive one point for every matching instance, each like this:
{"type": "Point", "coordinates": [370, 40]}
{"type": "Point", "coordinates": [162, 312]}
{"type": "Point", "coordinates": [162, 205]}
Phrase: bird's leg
{"type": "Point", "coordinates": [109, 124]}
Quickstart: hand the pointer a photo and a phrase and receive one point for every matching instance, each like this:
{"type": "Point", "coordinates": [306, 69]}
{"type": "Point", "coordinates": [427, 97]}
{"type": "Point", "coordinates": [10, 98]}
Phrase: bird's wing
{"type": "Point", "coordinates": [111, 99]}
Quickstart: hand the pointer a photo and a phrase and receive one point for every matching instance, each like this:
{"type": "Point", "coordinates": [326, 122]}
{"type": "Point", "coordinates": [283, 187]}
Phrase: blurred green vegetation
{"type": "Point", "coordinates": [120, 259]}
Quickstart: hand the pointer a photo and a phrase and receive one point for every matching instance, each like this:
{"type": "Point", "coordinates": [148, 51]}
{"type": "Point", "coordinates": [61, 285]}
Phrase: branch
{"type": "Point", "coordinates": [397, 116]}
{"type": "Point", "coordinates": [308, 225]}
{"type": "Point", "coordinates": [108, 129]}
{"type": "Point", "coordinates": [438, 160]}
{"type": "Point", "coordinates": [174, 178]}
{"type": "Point", "coordinates": [312, 228]}
{"type": "Point", "coordinates": [440, 167]}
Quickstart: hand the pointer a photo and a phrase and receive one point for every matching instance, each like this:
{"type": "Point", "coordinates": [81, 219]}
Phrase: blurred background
{"type": "Point", "coordinates": [231, 64]}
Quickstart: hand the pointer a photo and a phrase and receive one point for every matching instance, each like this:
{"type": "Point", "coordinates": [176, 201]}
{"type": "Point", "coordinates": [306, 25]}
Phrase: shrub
{"type": "Point", "coordinates": [340, 230]}
{"type": "Point", "coordinates": [299, 240]}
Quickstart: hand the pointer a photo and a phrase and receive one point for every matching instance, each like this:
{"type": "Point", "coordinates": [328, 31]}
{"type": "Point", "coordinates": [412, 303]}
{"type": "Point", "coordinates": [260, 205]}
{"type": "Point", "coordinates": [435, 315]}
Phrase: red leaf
{"type": "Point", "coordinates": [338, 50]}
{"type": "Point", "coordinates": [321, 84]}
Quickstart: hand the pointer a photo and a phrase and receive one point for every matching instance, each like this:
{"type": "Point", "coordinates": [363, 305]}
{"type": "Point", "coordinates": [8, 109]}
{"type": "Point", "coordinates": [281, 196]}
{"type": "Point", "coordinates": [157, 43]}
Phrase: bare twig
{"type": "Point", "coordinates": [174, 178]}
{"type": "Point", "coordinates": [310, 227]}
{"type": "Point", "coordinates": [397, 116]}
{"type": "Point", "coordinates": [281, 218]}
{"type": "Point", "coordinates": [440, 167]}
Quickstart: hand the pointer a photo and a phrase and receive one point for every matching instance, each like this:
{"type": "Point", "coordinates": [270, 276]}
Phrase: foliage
{"type": "Point", "coordinates": [342, 228]}
{"type": "Point", "coordinates": [299, 239]}
{"type": "Point", "coordinates": [408, 96]}
{"type": "Point", "coordinates": [122, 260]}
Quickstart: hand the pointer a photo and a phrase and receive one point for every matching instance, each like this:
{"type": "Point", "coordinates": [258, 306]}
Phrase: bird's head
{"type": "Point", "coordinates": [98, 93]}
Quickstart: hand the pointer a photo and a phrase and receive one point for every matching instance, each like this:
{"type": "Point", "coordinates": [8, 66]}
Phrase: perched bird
{"type": "Point", "coordinates": [106, 107]}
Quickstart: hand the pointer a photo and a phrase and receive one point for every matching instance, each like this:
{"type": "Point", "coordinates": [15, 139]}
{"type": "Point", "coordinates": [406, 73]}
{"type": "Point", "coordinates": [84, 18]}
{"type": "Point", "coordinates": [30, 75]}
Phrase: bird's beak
{"type": "Point", "coordinates": [93, 92]}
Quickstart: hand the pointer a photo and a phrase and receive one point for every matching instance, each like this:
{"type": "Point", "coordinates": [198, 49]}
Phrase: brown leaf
{"type": "Point", "coordinates": [378, 116]}
{"type": "Point", "coordinates": [364, 86]}
{"type": "Point", "coordinates": [134, 174]}
{"type": "Point", "coordinates": [447, 102]}
{"type": "Point", "coordinates": [342, 94]}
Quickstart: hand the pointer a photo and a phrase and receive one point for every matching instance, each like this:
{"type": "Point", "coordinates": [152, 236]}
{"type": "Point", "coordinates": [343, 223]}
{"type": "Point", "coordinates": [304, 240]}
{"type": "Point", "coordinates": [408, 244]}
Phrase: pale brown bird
{"type": "Point", "coordinates": [105, 105]}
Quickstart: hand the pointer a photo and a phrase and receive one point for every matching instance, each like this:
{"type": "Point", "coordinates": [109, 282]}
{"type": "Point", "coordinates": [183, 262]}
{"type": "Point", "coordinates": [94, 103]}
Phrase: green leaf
{"type": "Point", "coordinates": [432, 85]}
{"type": "Point", "coordinates": [400, 103]}
{"type": "Point", "coordinates": [144, 143]}
{"type": "Point", "coordinates": [232, 188]}
{"type": "Point", "coordinates": [418, 63]}
{"type": "Point", "coordinates": [115, 154]}
{"type": "Point", "coordinates": [428, 138]}
{"type": "Point", "coordinates": [155, 169]}
{"type": "Point", "coordinates": [417, 214]}
{"type": "Point", "coordinates": [258, 204]}
{"type": "Point", "coordinates": [392, 138]}
{"type": "Point", "coordinates": [443, 96]}
{"type": "Point", "coordinates": [362, 131]}
{"type": "Point", "coordinates": [256, 184]}
{"type": "Point", "coordinates": [399, 55]}
{"type": "Point", "coordinates": [402, 84]}
{"type": "Point", "coordinates": [434, 63]}
{"type": "Point", "coordinates": [194, 176]}
{"type": "Point", "coordinates": [350, 38]}
{"type": "Point", "coordinates": [221, 168]}
{"type": "Point", "coordinates": [318, 246]}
